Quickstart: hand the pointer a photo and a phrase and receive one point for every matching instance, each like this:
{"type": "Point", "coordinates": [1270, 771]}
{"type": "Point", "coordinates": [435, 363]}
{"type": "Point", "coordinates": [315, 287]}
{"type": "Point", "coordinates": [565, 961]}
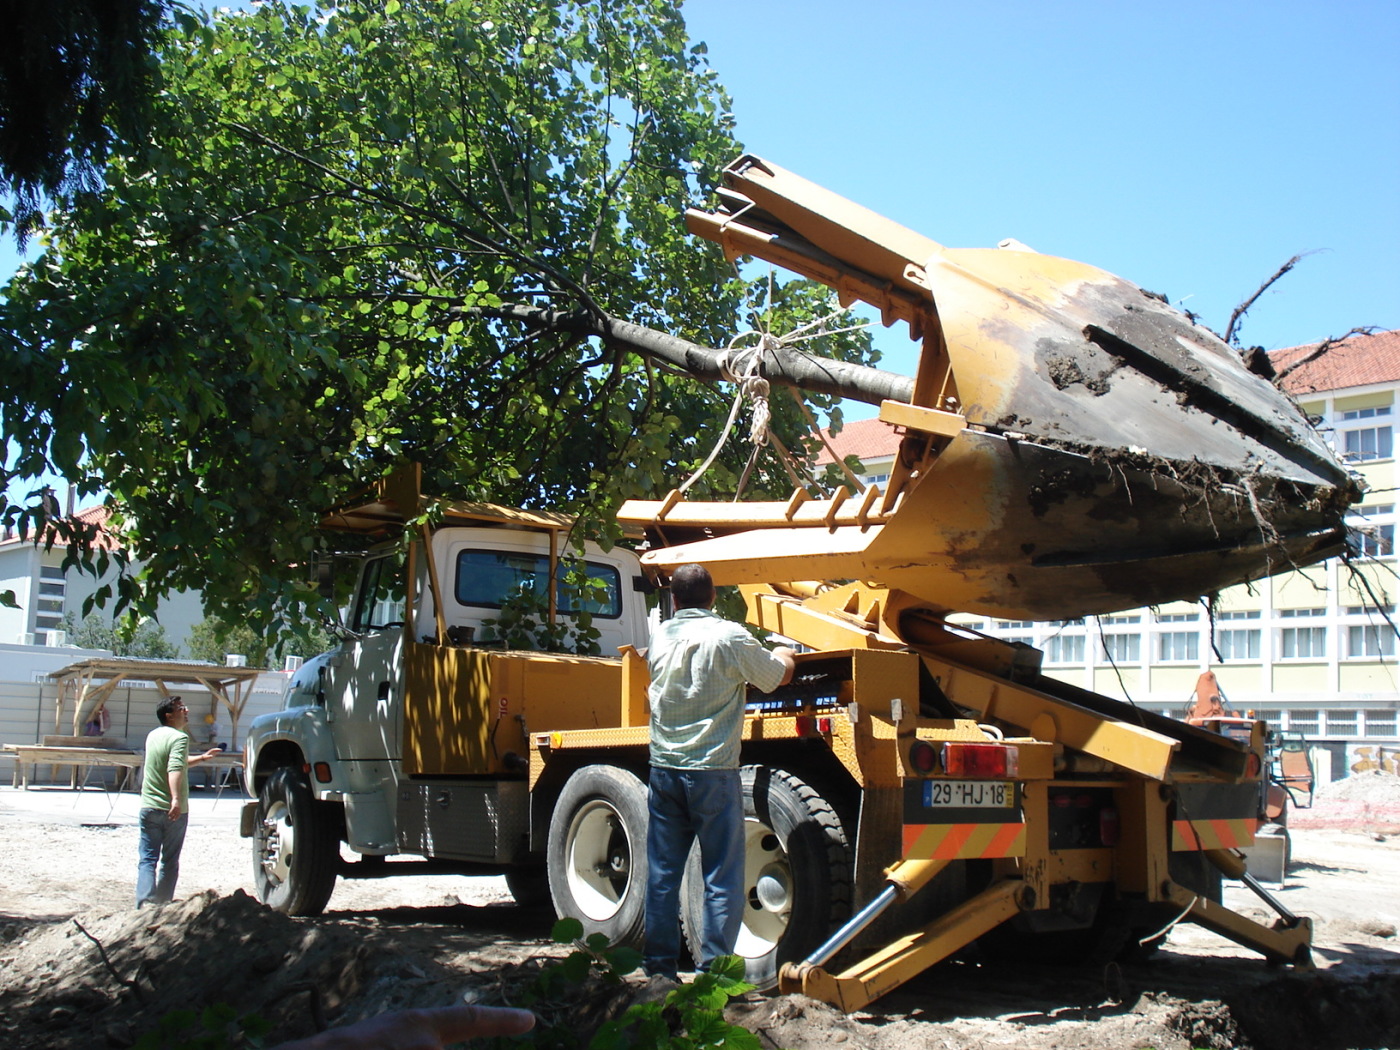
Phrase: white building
{"type": "Point", "coordinates": [45, 591]}
{"type": "Point", "coordinates": [1312, 650]}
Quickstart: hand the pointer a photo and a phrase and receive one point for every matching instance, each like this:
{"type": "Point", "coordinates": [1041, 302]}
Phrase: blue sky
{"type": "Point", "coordinates": [1190, 147]}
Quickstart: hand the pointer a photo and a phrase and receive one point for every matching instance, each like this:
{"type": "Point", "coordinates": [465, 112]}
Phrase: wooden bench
{"type": "Point", "coordinates": [27, 756]}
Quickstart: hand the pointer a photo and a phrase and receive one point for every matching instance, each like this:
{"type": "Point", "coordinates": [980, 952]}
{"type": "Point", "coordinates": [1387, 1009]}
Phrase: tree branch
{"type": "Point", "coordinates": [1243, 308]}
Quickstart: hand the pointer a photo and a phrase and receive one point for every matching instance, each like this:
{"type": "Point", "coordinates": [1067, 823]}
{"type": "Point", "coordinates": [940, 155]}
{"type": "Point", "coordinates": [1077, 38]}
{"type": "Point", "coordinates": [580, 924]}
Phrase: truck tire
{"type": "Point", "coordinates": [296, 846]}
{"type": "Point", "coordinates": [529, 886]}
{"type": "Point", "coordinates": [597, 855]}
{"type": "Point", "coordinates": [797, 875]}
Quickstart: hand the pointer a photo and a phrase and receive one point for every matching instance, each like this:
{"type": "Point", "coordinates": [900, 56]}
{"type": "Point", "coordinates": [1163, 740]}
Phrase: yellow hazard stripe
{"type": "Point", "coordinates": [964, 841]}
{"type": "Point", "coordinates": [1213, 834]}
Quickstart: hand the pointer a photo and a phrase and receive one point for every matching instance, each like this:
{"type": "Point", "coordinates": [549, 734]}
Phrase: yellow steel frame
{"type": "Point", "coordinates": [910, 955]}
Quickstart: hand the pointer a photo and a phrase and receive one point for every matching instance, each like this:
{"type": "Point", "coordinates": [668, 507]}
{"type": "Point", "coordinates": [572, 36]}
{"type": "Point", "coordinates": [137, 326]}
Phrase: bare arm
{"type": "Point", "coordinates": [176, 779]}
{"type": "Point", "coordinates": [783, 653]}
{"type": "Point", "coordinates": [420, 1029]}
{"type": "Point", "coordinates": [197, 759]}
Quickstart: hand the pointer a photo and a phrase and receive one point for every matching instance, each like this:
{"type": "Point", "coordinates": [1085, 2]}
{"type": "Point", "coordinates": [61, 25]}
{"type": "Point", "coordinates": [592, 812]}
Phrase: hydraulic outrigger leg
{"type": "Point", "coordinates": [908, 956]}
{"type": "Point", "coordinates": [1289, 940]}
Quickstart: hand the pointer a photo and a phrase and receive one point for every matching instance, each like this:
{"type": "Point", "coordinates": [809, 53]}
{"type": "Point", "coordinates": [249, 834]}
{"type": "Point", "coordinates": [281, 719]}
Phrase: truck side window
{"type": "Point", "coordinates": [380, 602]}
{"type": "Point", "coordinates": [488, 579]}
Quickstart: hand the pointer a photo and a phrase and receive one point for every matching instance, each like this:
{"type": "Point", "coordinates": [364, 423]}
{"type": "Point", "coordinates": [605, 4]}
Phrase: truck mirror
{"type": "Point", "coordinates": [325, 579]}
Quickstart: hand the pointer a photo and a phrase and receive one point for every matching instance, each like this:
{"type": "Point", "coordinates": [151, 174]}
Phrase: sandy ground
{"type": "Point", "coordinates": [387, 943]}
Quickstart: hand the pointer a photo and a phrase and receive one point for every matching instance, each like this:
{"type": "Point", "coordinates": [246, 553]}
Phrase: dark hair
{"type": "Point", "coordinates": [692, 587]}
{"type": "Point", "coordinates": [164, 708]}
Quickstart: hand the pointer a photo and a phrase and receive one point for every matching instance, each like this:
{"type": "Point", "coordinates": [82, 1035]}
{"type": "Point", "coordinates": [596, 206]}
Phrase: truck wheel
{"type": "Point", "coordinates": [296, 846]}
{"type": "Point", "coordinates": [797, 875]}
{"type": "Point", "coordinates": [598, 853]}
{"type": "Point", "coordinates": [529, 886]}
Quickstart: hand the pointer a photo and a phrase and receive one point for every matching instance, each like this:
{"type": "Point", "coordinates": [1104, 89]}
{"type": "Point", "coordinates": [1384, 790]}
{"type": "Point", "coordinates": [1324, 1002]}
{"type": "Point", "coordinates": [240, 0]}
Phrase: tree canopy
{"type": "Point", "coordinates": [74, 76]}
{"type": "Point", "coordinates": [373, 232]}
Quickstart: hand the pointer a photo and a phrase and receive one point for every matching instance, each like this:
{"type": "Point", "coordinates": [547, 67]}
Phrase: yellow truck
{"type": "Point", "coordinates": [1071, 445]}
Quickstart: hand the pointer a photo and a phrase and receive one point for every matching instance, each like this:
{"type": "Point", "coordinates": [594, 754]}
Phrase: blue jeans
{"type": "Point", "coordinates": [684, 805]}
{"type": "Point", "coordinates": [161, 840]}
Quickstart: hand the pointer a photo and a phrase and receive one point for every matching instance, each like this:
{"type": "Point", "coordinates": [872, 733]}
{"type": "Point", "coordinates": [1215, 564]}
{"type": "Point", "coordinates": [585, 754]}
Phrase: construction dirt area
{"type": "Point", "coordinates": [67, 876]}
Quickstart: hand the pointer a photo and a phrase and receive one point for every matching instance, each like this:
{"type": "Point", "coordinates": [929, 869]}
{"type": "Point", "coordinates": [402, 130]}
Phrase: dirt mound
{"type": "Point", "coordinates": [60, 991]}
{"type": "Point", "coordinates": [1365, 801]}
{"type": "Point", "coordinates": [57, 991]}
{"type": "Point", "coordinates": [1372, 785]}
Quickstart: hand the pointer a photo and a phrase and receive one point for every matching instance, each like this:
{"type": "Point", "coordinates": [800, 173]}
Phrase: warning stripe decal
{"type": "Point", "coordinates": [964, 841]}
{"type": "Point", "coordinates": [1213, 834]}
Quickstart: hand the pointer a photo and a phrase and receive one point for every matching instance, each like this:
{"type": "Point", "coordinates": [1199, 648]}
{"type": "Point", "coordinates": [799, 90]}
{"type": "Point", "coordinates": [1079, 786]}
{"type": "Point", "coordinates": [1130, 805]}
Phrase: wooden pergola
{"type": "Point", "coordinates": [89, 684]}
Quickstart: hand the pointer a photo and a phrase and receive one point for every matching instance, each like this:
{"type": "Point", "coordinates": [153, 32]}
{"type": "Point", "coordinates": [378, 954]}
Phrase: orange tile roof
{"type": "Point", "coordinates": [95, 516]}
{"type": "Point", "coordinates": [863, 438]}
{"type": "Point", "coordinates": [1362, 360]}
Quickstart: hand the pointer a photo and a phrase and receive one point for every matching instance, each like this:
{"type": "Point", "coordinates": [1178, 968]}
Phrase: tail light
{"type": "Point", "coordinates": [1108, 826]}
{"type": "Point", "coordinates": [980, 760]}
{"type": "Point", "coordinates": [923, 757]}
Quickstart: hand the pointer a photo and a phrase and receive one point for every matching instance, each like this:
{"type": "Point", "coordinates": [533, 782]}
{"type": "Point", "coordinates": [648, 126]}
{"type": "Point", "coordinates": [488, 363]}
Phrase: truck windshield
{"type": "Point", "coordinates": [488, 579]}
{"type": "Point", "coordinates": [380, 602]}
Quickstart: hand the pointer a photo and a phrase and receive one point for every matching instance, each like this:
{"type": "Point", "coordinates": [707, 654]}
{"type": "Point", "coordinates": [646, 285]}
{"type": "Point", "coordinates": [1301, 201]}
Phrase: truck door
{"type": "Point", "coordinates": [362, 681]}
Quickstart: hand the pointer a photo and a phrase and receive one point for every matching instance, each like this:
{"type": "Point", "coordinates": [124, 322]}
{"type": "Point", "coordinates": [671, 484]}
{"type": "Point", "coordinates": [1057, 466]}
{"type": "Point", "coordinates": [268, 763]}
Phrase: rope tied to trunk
{"type": "Point", "coordinates": [743, 366]}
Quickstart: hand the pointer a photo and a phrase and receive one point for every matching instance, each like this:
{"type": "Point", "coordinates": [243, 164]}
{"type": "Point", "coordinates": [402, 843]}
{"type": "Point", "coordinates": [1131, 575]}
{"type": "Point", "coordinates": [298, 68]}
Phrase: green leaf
{"type": "Point", "coordinates": [567, 930]}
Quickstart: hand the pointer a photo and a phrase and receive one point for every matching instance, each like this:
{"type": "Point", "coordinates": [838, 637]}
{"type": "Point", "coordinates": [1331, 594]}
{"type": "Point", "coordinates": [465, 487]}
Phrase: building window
{"type": "Point", "coordinates": [1238, 614]}
{"type": "Point", "coordinates": [1360, 444]}
{"type": "Point", "coordinates": [1106, 621]}
{"type": "Point", "coordinates": [1343, 723]}
{"type": "Point", "coordinates": [1379, 722]}
{"type": "Point", "coordinates": [1302, 720]}
{"type": "Point", "coordinates": [1065, 649]}
{"type": "Point", "coordinates": [48, 609]}
{"type": "Point", "coordinates": [1367, 535]}
{"type": "Point", "coordinates": [1190, 617]}
{"type": "Point", "coordinates": [1013, 625]}
{"type": "Point", "coordinates": [1370, 640]}
{"type": "Point", "coordinates": [1179, 646]}
{"type": "Point", "coordinates": [1121, 648]}
{"type": "Point", "coordinates": [1238, 645]}
{"type": "Point", "coordinates": [1303, 643]}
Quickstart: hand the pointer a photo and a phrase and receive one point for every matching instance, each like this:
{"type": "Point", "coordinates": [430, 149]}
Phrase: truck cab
{"type": "Point", "coordinates": [411, 736]}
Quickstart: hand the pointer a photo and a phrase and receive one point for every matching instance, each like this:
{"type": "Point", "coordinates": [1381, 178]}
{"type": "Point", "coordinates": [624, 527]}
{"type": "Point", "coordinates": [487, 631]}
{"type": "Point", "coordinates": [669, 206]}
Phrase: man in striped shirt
{"type": "Point", "coordinates": [700, 667]}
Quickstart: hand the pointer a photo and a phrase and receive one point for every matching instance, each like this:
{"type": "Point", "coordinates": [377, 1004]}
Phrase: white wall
{"type": "Point", "coordinates": [27, 707]}
{"type": "Point", "coordinates": [19, 566]}
{"type": "Point", "coordinates": [19, 572]}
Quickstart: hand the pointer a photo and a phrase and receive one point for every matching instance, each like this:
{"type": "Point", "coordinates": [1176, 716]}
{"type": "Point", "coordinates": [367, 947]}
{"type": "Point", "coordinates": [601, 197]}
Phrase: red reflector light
{"type": "Point", "coordinates": [923, 757]}
{"type": "Point", "coordinates": [979, 760]}
{"type": "Point", "coordinates": [323, 772]}
{"type": "Point", "coordinates": [824, 724]}
{"type": "Point", "coordinates": [1108, 827]}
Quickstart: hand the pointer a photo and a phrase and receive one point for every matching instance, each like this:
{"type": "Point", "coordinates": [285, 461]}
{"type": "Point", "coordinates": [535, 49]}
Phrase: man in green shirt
{"type": "Point", "coordinates": [165, 802]}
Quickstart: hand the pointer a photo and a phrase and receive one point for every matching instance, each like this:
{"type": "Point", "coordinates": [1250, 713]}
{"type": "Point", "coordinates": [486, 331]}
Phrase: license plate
{"type": "Point", "coordinates": [969, 794]}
